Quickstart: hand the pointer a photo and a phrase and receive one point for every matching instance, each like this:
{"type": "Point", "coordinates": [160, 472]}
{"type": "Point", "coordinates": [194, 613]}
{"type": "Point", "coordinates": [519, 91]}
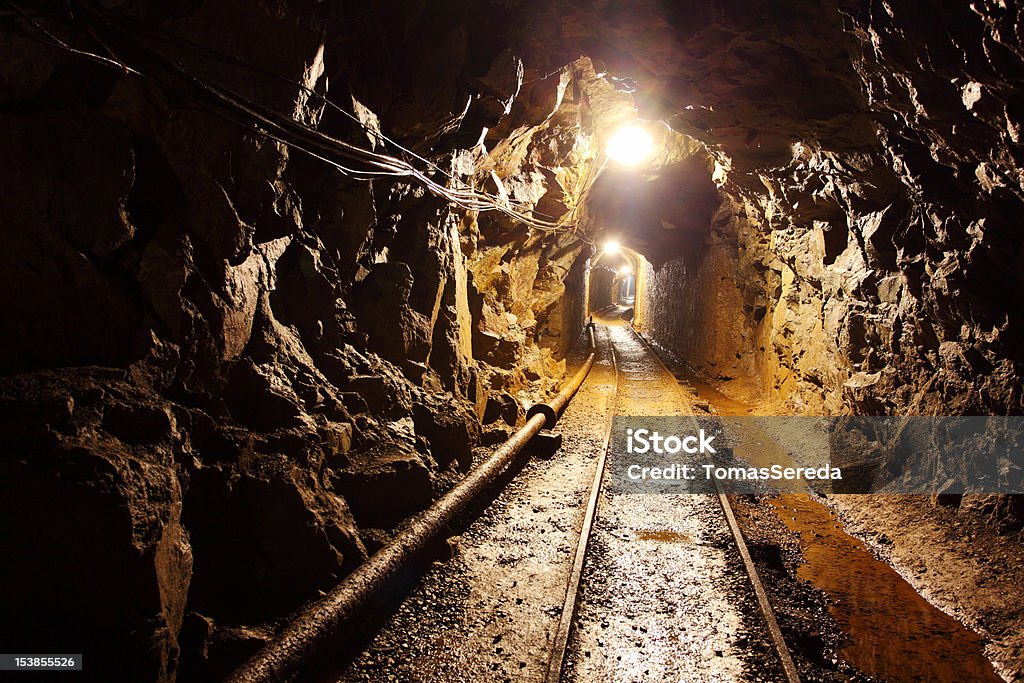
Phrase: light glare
{"type": "Point", "coordinates": [630, 145]}
{"type": "Point", "coordinates": [625, 269]}
{"type": "Point", "coordinates": [611, 247]}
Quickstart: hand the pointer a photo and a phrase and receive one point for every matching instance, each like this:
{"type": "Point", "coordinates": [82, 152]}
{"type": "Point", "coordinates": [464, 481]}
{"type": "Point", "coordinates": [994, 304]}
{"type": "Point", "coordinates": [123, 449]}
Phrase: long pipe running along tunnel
{"type": "Point", "coordinates": [512, 341]}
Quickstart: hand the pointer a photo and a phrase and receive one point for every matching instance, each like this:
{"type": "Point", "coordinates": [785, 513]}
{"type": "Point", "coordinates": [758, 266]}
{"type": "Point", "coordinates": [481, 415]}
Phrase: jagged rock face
{"type": "Point", "coordinates": [231, 369]}
{"type": "Point", "coordinates": [219, 351]}
{"type": "Point", "coordinates": [92, 508]}
{"type": "Point", "coordinates": [871, 154]}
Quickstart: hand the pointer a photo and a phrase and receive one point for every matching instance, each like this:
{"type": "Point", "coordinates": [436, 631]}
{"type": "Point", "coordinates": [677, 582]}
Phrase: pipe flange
{"type": "Point", "coordinates": [550, 417]}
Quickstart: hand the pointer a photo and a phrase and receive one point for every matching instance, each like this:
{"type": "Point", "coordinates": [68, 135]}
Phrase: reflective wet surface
{"type": "Point", "coordinates": [892, 632]}
{"type": "Point", "coordinates": [664, 595]}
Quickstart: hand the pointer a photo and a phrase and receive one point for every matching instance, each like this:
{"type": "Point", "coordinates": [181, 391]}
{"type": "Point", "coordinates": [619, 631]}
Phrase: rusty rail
{"type": "Point", "coordinates": [560, 646]}
{"type": "Point", "coordinates": [774, 631]}
{"type": "Point", "coordinates": [283, 658]}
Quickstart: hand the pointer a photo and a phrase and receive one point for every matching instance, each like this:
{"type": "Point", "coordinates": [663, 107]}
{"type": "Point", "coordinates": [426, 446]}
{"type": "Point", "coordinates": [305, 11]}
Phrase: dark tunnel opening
{"type": "Point", "coordinates": [613, 281]}
{"type": "Point", "coordinates": [663, 215]}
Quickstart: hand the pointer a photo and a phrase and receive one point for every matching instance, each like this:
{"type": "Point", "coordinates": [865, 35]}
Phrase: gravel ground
{"type": "Point", "coordinates": [489, 612]}
{"type": "Point", "coordinates": [664, 596]}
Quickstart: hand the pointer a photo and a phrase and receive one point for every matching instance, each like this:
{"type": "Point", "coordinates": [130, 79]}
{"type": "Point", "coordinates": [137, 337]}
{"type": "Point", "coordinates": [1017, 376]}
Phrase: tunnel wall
{"type": "Point", "coordinates": [564, 323]}
{"type": "Point", "coordinates": [229, 371]}
{"type": "Point", "coordinates": [695, 309]}
{"type": "Point", "coordinates": [600, 288]}
{"type": "Point", "coordinates": [833, 134]}
{"type": "Point", "coordinates": [577, 290]}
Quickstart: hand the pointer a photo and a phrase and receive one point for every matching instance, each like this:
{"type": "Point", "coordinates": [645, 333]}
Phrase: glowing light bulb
{"type": "Point", "coordinates": [611, 247]}
{"type": "Point", "coordinates": [625, 269]}
{"type": "Point", "coordinates": [630, 145]}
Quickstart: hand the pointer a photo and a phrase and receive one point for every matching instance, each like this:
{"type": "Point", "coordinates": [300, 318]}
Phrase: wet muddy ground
{"type": "Point", "coordinates": [888, 629]}
{"type": "Point", "coordinates": [664, 595]}
{"type": "Point", "coordinates": [851, 615]}
{"type": "Point", "coordinates": [970, 570]}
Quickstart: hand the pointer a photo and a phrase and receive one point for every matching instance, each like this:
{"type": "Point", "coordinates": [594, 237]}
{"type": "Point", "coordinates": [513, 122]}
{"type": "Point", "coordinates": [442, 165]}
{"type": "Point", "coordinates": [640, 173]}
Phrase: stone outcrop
{"type": "Point", "coordinates": [866, 156]}
{"type": "Point", "coordinates": [235, 370]}
{"type": "Point", "coordinates": [230, 371]}
{"type": "Point", "coordinates": [93, 510]}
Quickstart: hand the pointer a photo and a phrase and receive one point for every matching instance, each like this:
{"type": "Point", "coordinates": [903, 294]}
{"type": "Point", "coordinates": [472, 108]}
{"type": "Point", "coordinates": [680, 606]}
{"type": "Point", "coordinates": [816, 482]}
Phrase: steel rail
{"type": "Point", "coordinates": [561, 641]}
{"type": "Point", "coordinates": [778, 640]}
{"type": "Point", "coordinates": [283, 658]}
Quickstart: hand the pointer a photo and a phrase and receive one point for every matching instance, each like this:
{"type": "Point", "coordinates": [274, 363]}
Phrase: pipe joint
{"type": "Point", "coordinates": [550, 416]}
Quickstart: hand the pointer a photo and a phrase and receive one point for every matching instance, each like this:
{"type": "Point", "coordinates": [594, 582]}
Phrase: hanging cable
{"type": "Point", "coordinates": [291, 132]}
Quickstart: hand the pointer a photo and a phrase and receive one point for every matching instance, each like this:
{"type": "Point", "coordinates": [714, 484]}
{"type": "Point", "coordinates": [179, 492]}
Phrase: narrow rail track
{"type": "Point", "coordinates": [558, 574]}
{"type": "Point", "coordinates": [562, 640]}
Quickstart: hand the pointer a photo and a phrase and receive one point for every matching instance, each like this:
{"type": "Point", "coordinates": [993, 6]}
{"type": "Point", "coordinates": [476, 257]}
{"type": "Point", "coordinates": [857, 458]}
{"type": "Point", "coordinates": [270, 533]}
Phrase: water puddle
{"type": "Point", "coordinates": [894, 634]}
{"type": "Point", "coordinates": [725, 405]}
{"type": "Point", "coordinates": [664, 536]}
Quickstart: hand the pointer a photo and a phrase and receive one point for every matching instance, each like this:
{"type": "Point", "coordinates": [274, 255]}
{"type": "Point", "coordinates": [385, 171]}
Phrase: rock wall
{"type": "Point", "coordinates": [237, 369]}
{"type": "Point", "coordinates": [695, 307]}
{"type": "Point", "coordinates": [872, 147]}
{"type": "Point", "coordinates": [229, 371]}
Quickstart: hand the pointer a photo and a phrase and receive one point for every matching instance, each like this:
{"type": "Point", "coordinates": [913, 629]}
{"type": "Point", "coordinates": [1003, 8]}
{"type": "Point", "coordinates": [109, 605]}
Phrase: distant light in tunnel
{"type": "Point", "coordinates": [611, 247]}
{"type": "Point", "coordinates": [625, 269]}
{"type": "Point", "coordinates": [630, 145]}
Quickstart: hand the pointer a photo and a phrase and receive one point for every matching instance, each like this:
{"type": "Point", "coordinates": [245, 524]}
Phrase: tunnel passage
{"type": "Point", "coordinates": [272, 277]}
{"type": "Point", "coordinates": [613, 278]}
{"type": "Point", "coordinates": [675, 243]}
{"type": "Point", "coordinates": [664, 213]}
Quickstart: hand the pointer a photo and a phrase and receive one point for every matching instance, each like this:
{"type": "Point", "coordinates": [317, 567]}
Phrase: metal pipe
{"type": "Point", "coordinates": [552, 409]}
{"type": "Point", "coordinates": [284, 656]}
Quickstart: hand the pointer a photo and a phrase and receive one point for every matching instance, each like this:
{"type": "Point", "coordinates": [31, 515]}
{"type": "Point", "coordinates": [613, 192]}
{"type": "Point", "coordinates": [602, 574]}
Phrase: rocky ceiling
{"type": "Point", "coordinates": [221, 354]}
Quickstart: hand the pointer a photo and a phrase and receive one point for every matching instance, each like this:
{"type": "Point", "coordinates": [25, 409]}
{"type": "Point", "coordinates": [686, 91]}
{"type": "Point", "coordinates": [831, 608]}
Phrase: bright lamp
{"type": "Point", "coordinates": [630, 145]}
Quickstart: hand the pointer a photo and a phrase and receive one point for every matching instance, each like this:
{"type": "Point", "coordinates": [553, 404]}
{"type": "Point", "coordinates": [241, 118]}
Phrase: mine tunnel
{"type": "Point", "coordinates": [581, 340]}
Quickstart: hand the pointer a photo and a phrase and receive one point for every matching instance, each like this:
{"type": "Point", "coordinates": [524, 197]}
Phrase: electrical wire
{"type": "Point", "coordinates": [373, 133]}
{"type": "Point", "coordinates": [64, 46]}
{"type": "Point", "coordinates": [291, 132]}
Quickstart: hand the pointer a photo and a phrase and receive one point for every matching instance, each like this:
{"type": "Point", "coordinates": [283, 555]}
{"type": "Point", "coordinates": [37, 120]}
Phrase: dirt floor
{"type": "Point", "coordinates": [664, 595]}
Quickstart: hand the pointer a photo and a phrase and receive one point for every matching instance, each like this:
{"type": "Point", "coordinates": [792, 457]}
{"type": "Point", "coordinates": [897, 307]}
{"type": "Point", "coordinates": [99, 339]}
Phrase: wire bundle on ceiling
{"type": "Point", "coordinates": [349, 159]}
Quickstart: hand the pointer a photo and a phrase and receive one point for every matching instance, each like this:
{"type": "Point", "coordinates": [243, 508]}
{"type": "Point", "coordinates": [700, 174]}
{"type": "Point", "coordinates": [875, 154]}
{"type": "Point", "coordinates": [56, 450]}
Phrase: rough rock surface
{"type": "Point", "coordinates": [867, 157]}
{"type": "Point", "coordinates": [229, 368]}
{"type": "Point", "coordinates": [217, 348]}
